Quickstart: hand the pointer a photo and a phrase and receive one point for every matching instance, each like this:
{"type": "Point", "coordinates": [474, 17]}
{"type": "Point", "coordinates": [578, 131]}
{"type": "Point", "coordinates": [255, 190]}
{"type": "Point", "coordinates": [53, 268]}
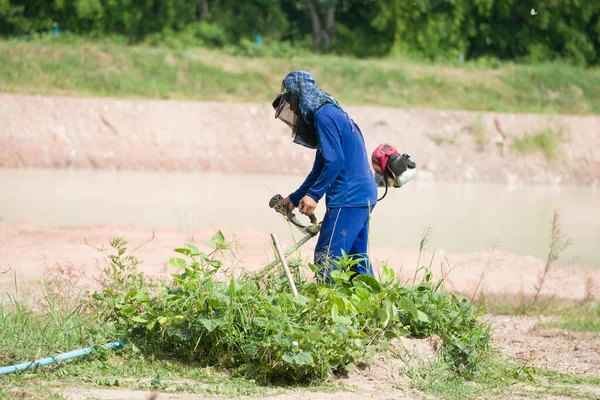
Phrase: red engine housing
{"type": "Point", "coordinates": [381, 157]}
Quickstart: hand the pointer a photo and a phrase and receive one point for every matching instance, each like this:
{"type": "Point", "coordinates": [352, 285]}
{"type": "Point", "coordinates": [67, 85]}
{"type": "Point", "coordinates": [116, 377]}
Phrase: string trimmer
{"type": "Point", "coordinates": [310, 230]}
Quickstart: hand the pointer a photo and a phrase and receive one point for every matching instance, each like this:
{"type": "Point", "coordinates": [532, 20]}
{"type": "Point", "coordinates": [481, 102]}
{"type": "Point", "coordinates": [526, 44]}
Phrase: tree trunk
{"type": "Point", "coordinates": [322, 33]}
{"type": "Point", "coordinates": [316, 25]}
{"type": "Point", "coordinates": [203, 8]}
{"type": "Point", "coordinates": [329, 27]}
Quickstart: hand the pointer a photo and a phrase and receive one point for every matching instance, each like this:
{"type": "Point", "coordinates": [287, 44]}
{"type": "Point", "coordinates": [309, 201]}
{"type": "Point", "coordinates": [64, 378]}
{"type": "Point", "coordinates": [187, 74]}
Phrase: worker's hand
{"type": "Point", "coordinates": [307, 205]}
{"type": "Point", "coordinates": [285, 203]}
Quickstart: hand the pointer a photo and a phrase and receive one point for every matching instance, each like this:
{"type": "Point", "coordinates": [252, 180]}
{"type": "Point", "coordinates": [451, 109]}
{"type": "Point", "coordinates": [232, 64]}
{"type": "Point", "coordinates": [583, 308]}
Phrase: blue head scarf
{"type": "Point", "coordinates": [310, 96]}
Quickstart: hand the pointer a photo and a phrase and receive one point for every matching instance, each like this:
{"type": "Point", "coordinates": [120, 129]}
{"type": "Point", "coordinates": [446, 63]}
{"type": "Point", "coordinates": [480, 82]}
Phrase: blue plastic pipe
{"type": "Point", "coordinates": [61, 357]}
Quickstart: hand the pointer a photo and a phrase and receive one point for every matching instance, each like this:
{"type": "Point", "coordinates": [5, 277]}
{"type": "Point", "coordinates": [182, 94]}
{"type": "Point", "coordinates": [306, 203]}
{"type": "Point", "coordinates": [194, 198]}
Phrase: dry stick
{"type": "Point", "coordinates": [284, 263]}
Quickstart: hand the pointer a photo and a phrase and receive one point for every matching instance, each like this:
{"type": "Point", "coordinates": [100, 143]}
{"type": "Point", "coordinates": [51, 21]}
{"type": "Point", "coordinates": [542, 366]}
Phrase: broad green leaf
{"type": "Point", "coordinates": [129, 309]}
{"type": "Point", "coordinates": [217, 241]}
{"type": "Point", "coordinates": [188, 250]}
{"type": "Point", "coordinates": [142, 297]}
{"type": "Point", "coordinates": [393, 297]}
{"type": "Point", "coordinates": [193, 250]}
{"type": "Point", "coordinates": [139, 319]}
{"type": "Point", "coordinates": [315, 336]}
{"type": "Point", "coordinates": [301, 300]}
{"type": "Point", "coordinates": [334, 361]}
{"type": "Point", "coordinates": [301, 358]}
{"type": "Point", "coordinates": [151, 324]}
{"type": "Point", "coordinates": [219, 300]}
{"type": "Point", "coordinates": [183, 334]}
{"type": "Point", "coordinates": [336, 318]}
{"type": "Point", "coordinates": [212, 324]}
{"type": "Point", "coordinates": [162, 320]}
{"type": "Point", "coordinates": [177, 262]}
{"type": "Point", "coordinates": [390, 334]}
{"type": "Point", "coordinates": [182, 251]}
{"type": "Point", "coordinates": [388, 275]}
{"type": "Point", "coordinates": [384, 345]}
{"type": "Point", "coordinates": [218, 237]}
{"type": "Point", "coordinates": [369, 281]}
{"type": "Point", "coordinates": [334, 312]}
{"type": "Point", "coordinates": [339, 302]}
{"type": "Point", "coordinates": [408, 306]}
{"type": "Point", "coordinates": [422, 316]}
{"type": "Point", "coordinates": [251, 349]}
{"type": "Point", "coordinates": [383, 316]}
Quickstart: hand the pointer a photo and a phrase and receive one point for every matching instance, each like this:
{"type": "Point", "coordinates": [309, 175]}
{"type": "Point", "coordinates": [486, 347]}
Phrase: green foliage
{"type": "Point", "coordinates": [546, 142]}
{"type": "Point", "coordinates": [583, 318]}
{"type": "Point", "coordinates": [489, 30]}
{"type": "Point", "coordinates": [254, 326]}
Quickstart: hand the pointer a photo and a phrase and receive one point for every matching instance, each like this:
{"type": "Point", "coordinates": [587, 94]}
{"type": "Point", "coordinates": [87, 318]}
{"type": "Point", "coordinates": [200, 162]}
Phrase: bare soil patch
{"type": "Point", "coordinates": [28, 249]}
{"type": "Point", "coordinates": [553, 349]}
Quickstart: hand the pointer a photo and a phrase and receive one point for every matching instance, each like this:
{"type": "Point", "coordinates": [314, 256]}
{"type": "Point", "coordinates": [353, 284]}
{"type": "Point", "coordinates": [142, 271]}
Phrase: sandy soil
{"type": "Point", "coordinates": [27, 250]}
{"type": "Point", "coordinates": [553, 349]}
{"type": "Point", "coordinates": [51, 132]}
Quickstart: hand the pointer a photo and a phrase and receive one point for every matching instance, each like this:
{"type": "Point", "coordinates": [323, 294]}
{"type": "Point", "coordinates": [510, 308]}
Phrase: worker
{"type": "Point", "coordinates": [340, 172]}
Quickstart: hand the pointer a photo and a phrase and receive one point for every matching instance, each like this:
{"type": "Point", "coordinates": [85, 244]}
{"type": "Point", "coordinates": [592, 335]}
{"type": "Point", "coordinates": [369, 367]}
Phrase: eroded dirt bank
{"type": "Point", "coordinates": [53, 132]}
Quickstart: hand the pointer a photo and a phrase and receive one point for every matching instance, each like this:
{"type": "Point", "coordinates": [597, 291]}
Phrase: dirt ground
{"type": "Point", "coordinates": [27, 250]}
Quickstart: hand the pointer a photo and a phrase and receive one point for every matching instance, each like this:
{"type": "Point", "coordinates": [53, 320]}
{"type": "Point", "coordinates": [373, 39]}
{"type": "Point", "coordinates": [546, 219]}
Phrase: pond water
{"type": "Point", "coordinates": [462, 217]}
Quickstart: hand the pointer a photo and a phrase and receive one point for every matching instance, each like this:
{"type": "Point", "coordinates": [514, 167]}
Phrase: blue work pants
{"type": "Point", "coordinates": [344, 229]}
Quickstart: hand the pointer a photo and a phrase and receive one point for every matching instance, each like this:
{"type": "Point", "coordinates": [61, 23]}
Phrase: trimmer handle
{"type": "Point", "coordinates": [288, 214]}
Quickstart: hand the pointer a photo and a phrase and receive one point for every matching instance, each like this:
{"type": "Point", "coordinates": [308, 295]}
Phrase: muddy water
{"type": "Point", "coordinates": [462, 217]}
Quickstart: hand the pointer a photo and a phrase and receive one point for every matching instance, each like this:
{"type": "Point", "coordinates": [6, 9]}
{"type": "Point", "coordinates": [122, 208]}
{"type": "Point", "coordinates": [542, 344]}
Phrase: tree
{"type": "Point", "coordinates": [322, 31]}
{"type": "Point", "coordinates": [203, 8]}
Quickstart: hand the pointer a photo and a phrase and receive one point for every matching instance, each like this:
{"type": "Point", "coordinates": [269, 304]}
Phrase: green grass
{"type": "Point", "coordinates": [479, 132]}
{"type": "Point", "coordinates": [585, 318]}
{"type": "Point", "coordinates": [546, 141]}
{"type": "Point", "coordinates": [501, 378]}
{"type": "Point", "coordinates": [129, 368]}
{"type": "Point", "coordinates": [104, 68]}
{"type": "Point", "coordinates": [571, 315]}
{"type": "Point", "coordinates": [50, 325]}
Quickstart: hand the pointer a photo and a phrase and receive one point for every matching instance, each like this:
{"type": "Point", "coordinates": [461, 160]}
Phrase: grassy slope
{"type": "Point", "coordinates": [108, 69]}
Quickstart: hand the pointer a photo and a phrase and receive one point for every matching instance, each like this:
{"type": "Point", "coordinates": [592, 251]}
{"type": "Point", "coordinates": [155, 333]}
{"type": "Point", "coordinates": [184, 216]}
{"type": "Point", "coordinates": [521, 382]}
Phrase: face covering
{"type": "Point", "coordinates": [297, 105]}
{"type": "Point", "coordinates": [287, 110]}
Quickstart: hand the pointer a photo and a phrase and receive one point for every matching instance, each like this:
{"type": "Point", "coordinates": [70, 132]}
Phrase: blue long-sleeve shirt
{"type": "Point", "coordinates": [341, 166]}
